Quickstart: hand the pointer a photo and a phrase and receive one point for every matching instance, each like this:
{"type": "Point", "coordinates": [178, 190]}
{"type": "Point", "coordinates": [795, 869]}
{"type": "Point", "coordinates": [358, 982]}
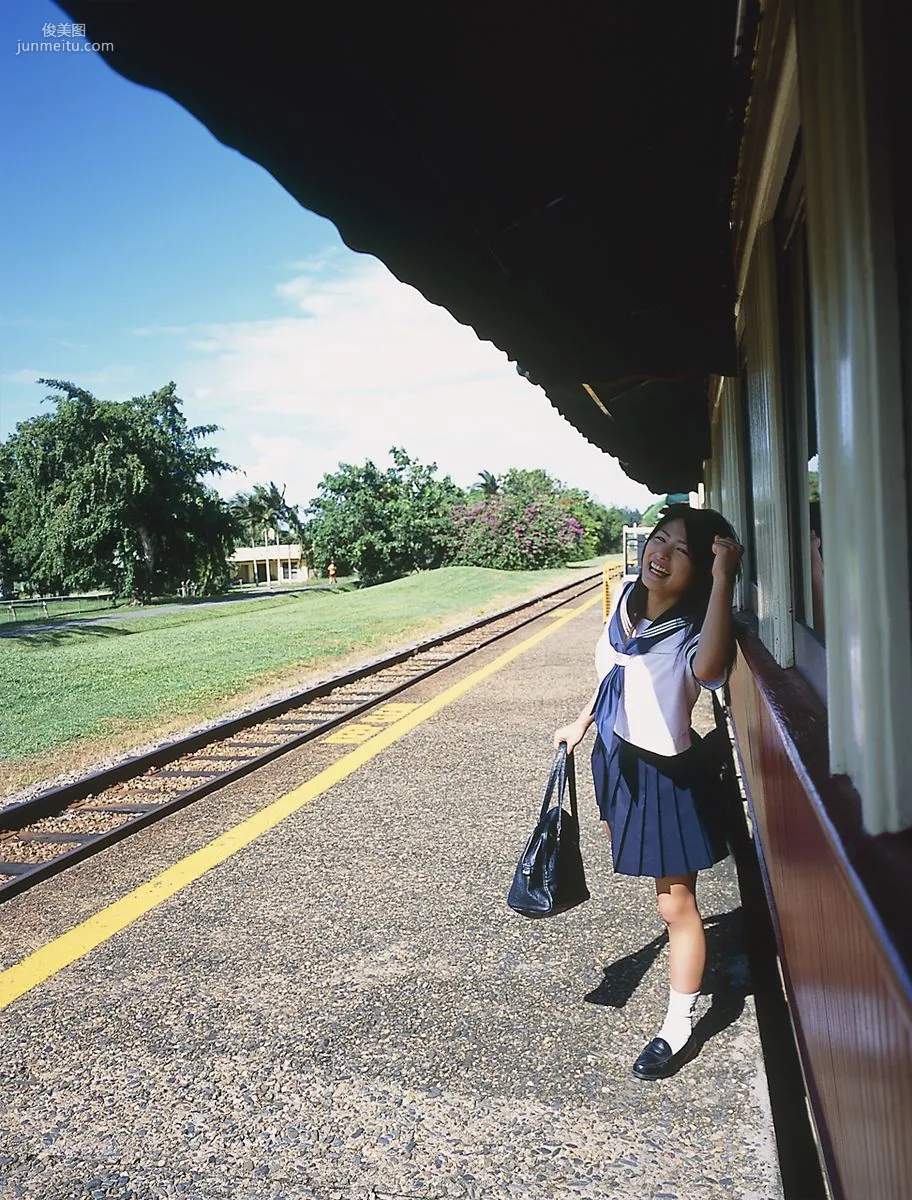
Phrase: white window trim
{"type": "Point", "coordinates": [776, 99]}
{"type": "Point", "coordinates": [767, 450]}
{"type": "Point", "coordinates": [727, 469]}
{"type": "Point", "coordinates": [854, 303]}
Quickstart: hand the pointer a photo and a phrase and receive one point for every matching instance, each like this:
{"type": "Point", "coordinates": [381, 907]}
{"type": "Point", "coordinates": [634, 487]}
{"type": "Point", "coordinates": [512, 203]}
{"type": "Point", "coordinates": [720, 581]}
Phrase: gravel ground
{"type": "Point", "coordinates": [347, 1009]}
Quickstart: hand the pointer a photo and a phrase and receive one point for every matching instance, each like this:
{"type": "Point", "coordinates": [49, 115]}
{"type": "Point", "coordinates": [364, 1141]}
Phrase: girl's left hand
{"type": "Point", "coordinates": [726, 556]}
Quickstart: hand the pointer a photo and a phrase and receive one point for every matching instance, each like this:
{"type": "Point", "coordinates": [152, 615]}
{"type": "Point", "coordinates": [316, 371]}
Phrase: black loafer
{"type": "Point", "coordinates": [658, 1062]}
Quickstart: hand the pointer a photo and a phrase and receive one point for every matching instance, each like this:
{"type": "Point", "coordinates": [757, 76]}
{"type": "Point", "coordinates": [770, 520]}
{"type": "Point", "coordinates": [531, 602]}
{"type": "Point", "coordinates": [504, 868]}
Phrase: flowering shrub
{"type": "Point", "coordinates": [513, 534]}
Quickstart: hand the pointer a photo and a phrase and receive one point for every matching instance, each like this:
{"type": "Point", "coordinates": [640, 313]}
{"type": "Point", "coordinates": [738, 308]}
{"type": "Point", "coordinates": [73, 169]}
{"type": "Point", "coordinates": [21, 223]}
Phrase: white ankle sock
{"type": "Point", "coordinates": [678, 1024]}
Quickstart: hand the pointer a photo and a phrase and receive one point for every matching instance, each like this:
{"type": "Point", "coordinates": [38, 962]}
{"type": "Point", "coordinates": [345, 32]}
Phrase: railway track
{"type": "Point", "coordinates": [59, 827]}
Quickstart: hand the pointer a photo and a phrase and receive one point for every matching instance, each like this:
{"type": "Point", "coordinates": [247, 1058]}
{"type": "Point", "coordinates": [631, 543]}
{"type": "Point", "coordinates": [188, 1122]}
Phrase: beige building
{"type": "Point", "coordinates": [269, 564]}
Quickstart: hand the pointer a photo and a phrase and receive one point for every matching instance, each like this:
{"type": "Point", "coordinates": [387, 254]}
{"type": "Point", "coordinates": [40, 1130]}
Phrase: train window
{"type": "Point", "coordinates": [806, 533]}
{"type": "Point", "coordinates": [749, 567]}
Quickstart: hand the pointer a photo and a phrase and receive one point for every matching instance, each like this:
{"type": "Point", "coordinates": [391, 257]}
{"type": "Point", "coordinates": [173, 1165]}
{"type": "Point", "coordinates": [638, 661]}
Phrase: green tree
{"type": "Point", "coordinates": [612, 529]}
{"type": "Point", "coordinates": [7, 566]}
{"type": "Point", "coordinates": [382, 524]}
{"type": "Point", "coordinates": [265, 508]}
{"type": "Point", "coordinates": [531, 485]}
{"type": "Point", "coordinates": [111, 494]}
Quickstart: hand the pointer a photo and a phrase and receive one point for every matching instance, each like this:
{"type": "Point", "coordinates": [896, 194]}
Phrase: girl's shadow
{"type": "Point", "coordinates": [623, 976]}
{"type": "Point", "coordinates": [727, 977]}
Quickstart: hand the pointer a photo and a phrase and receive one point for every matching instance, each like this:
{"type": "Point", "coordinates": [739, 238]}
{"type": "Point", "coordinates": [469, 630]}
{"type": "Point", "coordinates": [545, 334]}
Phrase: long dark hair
{"type": "Point", "coordinates": [702, 525]}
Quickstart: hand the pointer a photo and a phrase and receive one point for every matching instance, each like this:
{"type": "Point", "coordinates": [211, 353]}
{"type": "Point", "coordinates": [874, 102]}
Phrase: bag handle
{"type": "Point", "coordinates": [718, 711]}
{"type": "Point", "coordinates": [562, 776]}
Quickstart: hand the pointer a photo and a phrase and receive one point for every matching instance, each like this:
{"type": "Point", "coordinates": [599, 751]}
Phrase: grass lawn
{"type": "Point", "coordinates": [68, 695]}
{"type": "Point", "coordinates": [30, 612]}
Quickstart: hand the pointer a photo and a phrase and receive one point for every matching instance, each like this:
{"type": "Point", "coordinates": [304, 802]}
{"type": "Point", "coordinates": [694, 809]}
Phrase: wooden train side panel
{"type": "Point", "coordinates": [848, 987]}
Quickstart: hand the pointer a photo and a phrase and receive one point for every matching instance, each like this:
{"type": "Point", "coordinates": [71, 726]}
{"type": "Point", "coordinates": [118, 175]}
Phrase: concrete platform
{"type": "Point", "coordinates": [345, 1008]}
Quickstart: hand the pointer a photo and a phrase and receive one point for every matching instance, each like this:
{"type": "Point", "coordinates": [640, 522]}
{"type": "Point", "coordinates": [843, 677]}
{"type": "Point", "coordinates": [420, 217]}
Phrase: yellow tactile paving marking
{"type": "Point", "coordinates": [351, 734]}
{"type": "Point", "coordinates": [356, 732]}
{"type": "Point", "coordinates": [45, 962]}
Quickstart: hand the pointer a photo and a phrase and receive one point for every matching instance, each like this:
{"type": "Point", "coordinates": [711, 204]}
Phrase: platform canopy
{"type": "Point", "coordinates": [556, 176]}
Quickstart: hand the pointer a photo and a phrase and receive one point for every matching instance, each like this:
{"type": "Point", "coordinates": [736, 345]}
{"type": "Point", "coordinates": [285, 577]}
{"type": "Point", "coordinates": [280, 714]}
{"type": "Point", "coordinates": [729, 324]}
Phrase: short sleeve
{"type": "Point", "coordinates": [690, 651]}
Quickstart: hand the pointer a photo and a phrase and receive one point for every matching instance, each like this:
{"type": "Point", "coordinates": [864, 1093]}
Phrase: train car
{"type": "Point", "coordinates": [633, 538]}
{"type": "Point", "coordinates": [810, 458]}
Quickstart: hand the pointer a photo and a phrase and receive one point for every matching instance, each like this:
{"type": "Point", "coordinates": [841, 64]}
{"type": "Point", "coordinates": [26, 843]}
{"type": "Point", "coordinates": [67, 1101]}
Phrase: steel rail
{"type": "Point", "coordinates": [55, 801]}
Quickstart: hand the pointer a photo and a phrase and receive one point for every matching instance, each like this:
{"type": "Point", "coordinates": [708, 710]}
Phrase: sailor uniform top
{"type": "Point", "coordinates": [659, 687]}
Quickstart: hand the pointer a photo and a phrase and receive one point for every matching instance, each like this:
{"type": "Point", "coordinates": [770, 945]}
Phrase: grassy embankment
{"type": "Point", "coordinates": [18, 612]}
{"type": "Point", "coordinates": [71, 695]}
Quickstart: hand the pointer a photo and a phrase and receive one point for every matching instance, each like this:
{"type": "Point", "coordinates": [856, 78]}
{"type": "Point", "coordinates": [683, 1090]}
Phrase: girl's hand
{"type": "Point", "coordinates": [726, 556]}
{"type": "Point", "coordinates": [572, 734]}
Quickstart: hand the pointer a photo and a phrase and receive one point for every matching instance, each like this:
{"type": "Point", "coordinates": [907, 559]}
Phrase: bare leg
{"type": "Point", "coordinates": [676, 895]}
{"type": "Point", "coordinates": [673, 1045]}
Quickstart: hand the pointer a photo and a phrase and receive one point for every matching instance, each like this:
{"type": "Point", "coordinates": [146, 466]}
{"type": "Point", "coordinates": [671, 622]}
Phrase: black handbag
{"type": "Point", "coordinates": [549, 877]}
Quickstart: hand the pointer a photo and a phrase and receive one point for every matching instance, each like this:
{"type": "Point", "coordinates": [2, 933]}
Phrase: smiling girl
{"type": "Point", "coordinates": [668, 634]}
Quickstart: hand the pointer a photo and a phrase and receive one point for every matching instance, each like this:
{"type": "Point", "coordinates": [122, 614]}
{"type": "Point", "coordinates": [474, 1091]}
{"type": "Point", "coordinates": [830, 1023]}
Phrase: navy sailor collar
{"type": "Point", "coordinates": [662, 627]}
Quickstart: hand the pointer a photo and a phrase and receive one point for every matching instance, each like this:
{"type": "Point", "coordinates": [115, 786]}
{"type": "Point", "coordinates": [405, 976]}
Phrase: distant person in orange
{"type": "Point", "coordinates": [331, 572]}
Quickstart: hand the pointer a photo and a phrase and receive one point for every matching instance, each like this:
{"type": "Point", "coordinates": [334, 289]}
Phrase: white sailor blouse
{"type": "Point", "coordinates": [659, 688]}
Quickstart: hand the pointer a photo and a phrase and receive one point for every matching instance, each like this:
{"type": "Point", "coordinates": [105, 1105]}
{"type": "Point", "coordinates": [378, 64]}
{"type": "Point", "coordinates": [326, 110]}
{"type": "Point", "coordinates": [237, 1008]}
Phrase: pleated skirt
{"type": "Point", "coordinates": [665, 814]}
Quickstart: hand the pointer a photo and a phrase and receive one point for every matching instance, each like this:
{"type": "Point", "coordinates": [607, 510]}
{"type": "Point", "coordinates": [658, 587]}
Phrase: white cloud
{"type": "Point", "coordinates": [157, 330]}
{"type": "Point", "coordinates": [270, 459]}
{"type": "Point", "coordinates": [116, 374]}
{"type": "Point", "coordinates": [26, 375]}
{"type": "Point", "coordinates": [365, 362]}
{"type": "Point", "coordinates": [107, 375]}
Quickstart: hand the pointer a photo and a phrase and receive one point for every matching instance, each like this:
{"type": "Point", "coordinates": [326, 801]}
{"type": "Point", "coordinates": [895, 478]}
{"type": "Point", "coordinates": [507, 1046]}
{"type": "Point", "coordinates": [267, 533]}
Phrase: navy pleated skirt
{"type": "Point", "coordinates": [665, 813]}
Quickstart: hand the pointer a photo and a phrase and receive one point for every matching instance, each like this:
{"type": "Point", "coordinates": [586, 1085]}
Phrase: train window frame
{"type": "Point", "coordinates": [800, 409]}
{"type": "Point", "coordinates": [748, 534]}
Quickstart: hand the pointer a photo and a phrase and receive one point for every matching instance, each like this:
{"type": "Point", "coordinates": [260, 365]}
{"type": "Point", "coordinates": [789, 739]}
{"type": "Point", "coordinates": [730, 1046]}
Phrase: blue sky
{"type": "Point", "coordinates": [136, 249]}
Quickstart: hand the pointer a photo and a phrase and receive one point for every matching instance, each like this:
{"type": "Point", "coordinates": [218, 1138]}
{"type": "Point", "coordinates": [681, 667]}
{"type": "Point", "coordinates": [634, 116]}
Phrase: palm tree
{"type": "Point", "coordinates": [265, 508]}
{"type": "Point", "coordinates": [490, 483]}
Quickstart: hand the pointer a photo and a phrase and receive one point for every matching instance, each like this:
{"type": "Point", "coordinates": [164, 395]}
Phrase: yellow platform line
{"type": "Point", "coordinates": [46, 961]}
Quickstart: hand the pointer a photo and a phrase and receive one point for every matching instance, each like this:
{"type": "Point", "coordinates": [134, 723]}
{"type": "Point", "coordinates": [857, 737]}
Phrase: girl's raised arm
{"type": "Point", "coordinates": [713, 655]}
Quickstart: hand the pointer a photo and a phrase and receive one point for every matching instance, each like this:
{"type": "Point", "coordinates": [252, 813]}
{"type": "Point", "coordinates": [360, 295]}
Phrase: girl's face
{"type": "Point", "coordinates": [667, 567]}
